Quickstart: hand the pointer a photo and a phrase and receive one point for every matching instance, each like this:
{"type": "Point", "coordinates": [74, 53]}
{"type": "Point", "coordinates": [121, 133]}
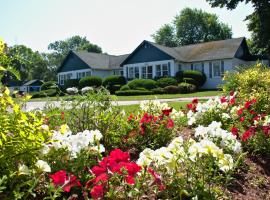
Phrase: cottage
{"type": "Point", "coordinates": [28, 86]}
{"type": "Point", "coordinates": [150, 60]}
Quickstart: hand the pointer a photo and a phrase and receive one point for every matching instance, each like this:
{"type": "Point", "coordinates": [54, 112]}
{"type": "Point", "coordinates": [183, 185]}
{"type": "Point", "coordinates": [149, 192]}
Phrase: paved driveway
{"type": "Point", "coordinates": [41, 104]}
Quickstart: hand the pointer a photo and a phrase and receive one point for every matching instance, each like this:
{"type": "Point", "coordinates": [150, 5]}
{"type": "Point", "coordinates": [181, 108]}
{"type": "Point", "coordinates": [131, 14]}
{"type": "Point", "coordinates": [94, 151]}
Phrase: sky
{"type": "Point", "coordinates": [117, 26]}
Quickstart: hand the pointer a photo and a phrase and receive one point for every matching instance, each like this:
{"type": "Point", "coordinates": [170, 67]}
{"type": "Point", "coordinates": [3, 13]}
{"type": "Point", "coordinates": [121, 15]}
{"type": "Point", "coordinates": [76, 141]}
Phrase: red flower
{"type": "Point", "coordinates": [146, 118]}
{"type": "Point", "coordinates": [190, 106]}
{"type": "Point", "coordinates": [119, 156]}
{"type": "Point", "coordinates": [167, 112]}
{"type": "Point", "coordinates": [252, 112]}
{"type": "Point", "coordinates": [97, 170]}
{"type": "Point", "coordinates": [232, 101]}
{"type": "Point", "coordinates": [131, 116]}
{"type": "Point", "coordinates": [60, 178]}
{"type": "Point", "coordinates": [97, 192]}
{"type": "Point", "coordinates": [195, 101]}
{"type": "Point", "coordinates": [234, 131]}
{"type": "Point", "coordinates": [266, 130]}
{"type": "Point", "coordinates": [231, 93]}
{"type": "Point", "coordinates": [170, 124]}
{"type": "Point", "coordinates": [102, 178]}
{"type": "Point", "coordinates": [256, 118]}
{"type": "Point", "coordinates": [248, 134]}
{"type": "Point", "coordinates": [157, 179]}
{"type": "Point", "coordinates": [130, 180]}
{"type": "Point", "coordinates": [223, 99]}
{"type": "Point", "coordinates": [242, 119]}
{"type": "Point", "coordinates": [240, 111]}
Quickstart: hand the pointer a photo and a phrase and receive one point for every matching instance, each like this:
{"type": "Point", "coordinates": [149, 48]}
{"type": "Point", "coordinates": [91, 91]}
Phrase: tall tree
{"type": "Point", "coordinates": [192, 26]}
{"type": "Point", "coordinates": [258, 21]}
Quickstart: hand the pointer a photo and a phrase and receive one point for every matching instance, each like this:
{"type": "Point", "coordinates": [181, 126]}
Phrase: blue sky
{"type": "Point", "coordinates": [118, 26]}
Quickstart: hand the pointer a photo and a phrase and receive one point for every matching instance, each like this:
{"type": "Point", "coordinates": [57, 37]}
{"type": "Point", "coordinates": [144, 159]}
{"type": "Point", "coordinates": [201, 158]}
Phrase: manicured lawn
{"type": "Point", "coordinates": [143, 97]}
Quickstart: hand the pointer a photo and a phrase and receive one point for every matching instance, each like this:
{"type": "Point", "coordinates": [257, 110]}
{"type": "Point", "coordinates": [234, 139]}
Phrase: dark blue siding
{"type": "Point", "coordinates": [73, 62]}
{"type": "Point", "coordinates": [147, 53]}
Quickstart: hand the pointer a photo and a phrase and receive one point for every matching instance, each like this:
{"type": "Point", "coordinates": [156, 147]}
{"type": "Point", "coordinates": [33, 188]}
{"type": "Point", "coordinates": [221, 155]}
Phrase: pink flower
{"type": "Point", "coordinates": [234, 131]}
{"type": "Point", "coordinates": [97, 192]}
{"type": "Point", "coordinates": [170, 124]}
{"type": "Point", "coordinates": [223, 99]}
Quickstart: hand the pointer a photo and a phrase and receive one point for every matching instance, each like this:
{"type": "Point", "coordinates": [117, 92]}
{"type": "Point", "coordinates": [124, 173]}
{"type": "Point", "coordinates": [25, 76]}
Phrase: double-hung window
{"type": "Point", "coordinates": [198, 67]}
{"type": "Point", "coordinates": [137, 72]}
{"type": "Point", "coordinates": [216, 69]}
{"type": "Point", "coordinates": [131, 72]}
{"type": "Point", "coordinates": [144, 72]}
{"type": "Point", "coordinates": [149, 72]}
{"type": "Point", "coordinates": [158, 71]}
{"type": "Point", "coordinates": [165, 70]}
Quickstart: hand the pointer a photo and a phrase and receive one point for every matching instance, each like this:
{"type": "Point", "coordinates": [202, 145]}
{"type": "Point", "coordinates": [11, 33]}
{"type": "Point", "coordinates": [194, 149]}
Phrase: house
{"type": "Point", "coordinates": [150, 60]}
{"type": "Point", "coordinates": [28, 86]}
{"type": "Point", "coordinates": [77, 65]}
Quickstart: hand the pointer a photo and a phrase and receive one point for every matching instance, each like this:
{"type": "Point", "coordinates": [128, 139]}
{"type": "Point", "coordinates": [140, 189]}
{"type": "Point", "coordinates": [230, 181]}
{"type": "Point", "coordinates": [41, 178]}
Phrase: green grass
{"type": "Point", "coordinates": [143, 97]}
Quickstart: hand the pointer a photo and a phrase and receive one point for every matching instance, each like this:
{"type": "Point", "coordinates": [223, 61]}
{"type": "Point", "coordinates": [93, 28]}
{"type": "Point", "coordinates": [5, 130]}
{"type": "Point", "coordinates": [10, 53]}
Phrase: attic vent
{"type": "Point", "coordinates": [146, 46]}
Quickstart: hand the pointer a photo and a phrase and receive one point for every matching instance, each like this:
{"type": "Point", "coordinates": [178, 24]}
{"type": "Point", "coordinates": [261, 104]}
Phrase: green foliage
{"type": "Point", "coordinates": [172, 89]}
{"type": "Point", "coordinates": [48, 85]}
{"type": "Point", "coordinates": [92, 81]}
{"type": "Point", "coordinates": [179, 76]}
{"type": "Point", "coordinates": [21, 138]}
{"type": "Point", "coordinates": [71, 83]}
{"type": "Point", "coordinates": [45, 93]}
{"type": "Point", "coordinates": [142, 83]}
{"type": "Point", "coordinates": [251, 82]}
{"type": "Point", "coordinates": [133, 92]}
{"type": "Point", "coordinates": [125, 87]}
{"type": "Point", "coordinates": [163, 82]}
{"type": "Point", "coordinates": [190, 81]}
{"type": "Point", "coordinates": [198, 76]}
{"type": "Point", "coordinates": [159, 90]}
{"type": "Point", "coordinates": [114, 83]}
{"type": "Point", "coordinates": [187, 88]}
{"type": "Point", "coordinates": [192, 26]}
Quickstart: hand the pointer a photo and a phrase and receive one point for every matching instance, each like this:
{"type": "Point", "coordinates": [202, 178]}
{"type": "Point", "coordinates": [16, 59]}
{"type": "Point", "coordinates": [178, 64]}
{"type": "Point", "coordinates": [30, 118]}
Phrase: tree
{"type": "Point", "coordinates": [192, 26]}
{"type": "Point", "coordinates": [258, 21]}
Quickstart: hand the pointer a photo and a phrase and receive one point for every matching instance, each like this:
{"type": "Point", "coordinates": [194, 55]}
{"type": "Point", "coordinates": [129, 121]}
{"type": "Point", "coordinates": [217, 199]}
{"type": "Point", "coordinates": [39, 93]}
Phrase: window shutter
{"type": "Point", "coordinates": [210, 70]}
{"type": "Point", "coordinates": [191, 67]}
{"type": "Point", "coordinates": [203, 67]}
{"type": "Point", "coordinates": [222, 68]}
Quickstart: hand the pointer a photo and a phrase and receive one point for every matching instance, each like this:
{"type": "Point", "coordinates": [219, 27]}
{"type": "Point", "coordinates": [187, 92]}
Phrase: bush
{"type": "Point", "coordinates": [142, 83]}
{"type": "Point", "coordinates": [45, 93]}
{"type": "Point", "coordinates": [187, 88]}
{"type": "Point", "coordinates": [163, 82]}
{"type": "Point", "coordinates": [70, 83]}
{"type": "Point", "coordinates": [196, 75]}
{"type": "Point", "coordinates": [172, 89]}
{"type": "Point", "coordinates": [158, 91]}
{"type": "Point", "coordinates": [114, 80]}
{"type": "Point", "coordinates": [124, 88]}
{"type": "Point", "coordinates": [133, 92]}
{"type": "Point", "coordinates": [179, 76]}
{"type": "Point", "coordinates": [92, 81]}
{"type": "Point", "coordinates": [251, 82]}
{"type": "Point", "coordinates": [191, 81]}
{"type": "Point", "coordinates": [48, 85]}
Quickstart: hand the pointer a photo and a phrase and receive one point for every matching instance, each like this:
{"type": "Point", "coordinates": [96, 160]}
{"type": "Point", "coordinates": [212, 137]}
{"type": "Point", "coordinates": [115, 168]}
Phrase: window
{"type": "Point", "coordinates": [216, 69]}
{"type": "Point", "coordinates": [137, 72]}
{"type": "Point", "coordinates": [198, 66]}
{"type": "Point", "coordinates": [165, 70]}
{"type": "Point", "coordinates": [158, 71]}
{"type": "Point", "coordinates": [144, 72]}
{"type": "Point", "coordinates": [149, 72]}
{"type": "Point", "coordinates": [179, 67]}
{"type": "Point", "coordinates": [88, 73]}
{"type": "Point", "coordinates": [80, 75]}
{"type": "Point", "coordinates": [130, 72]}
{"type": "Point", "coordinates": [61, 81]}
{"type": "Point", "coordinates": [64, 77]}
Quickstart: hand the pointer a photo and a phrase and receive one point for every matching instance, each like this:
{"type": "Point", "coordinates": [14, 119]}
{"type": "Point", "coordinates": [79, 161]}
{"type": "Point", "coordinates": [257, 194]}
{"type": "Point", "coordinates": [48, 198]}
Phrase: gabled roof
{"type": "Point", "coordinates": [97, 60]}
{"type": "Point", "coordinates": [213, 50]}
{"type": "Point", "coordinates": [31, 82]}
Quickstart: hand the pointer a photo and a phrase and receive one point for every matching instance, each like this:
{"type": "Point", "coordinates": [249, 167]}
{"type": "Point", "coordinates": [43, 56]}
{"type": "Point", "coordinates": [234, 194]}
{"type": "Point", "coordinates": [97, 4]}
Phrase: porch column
{"type": "Point", "coordinates": [154, 71]}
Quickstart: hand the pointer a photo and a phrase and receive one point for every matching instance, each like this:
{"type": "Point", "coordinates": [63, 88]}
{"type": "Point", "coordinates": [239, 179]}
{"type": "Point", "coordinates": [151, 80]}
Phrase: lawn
{"type": "Point", "coordinates": [143, 97]}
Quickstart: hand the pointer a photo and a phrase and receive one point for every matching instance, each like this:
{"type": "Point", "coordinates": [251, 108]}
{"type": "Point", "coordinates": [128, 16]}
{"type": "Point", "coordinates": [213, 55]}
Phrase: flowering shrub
{"type": "Point", "coordinates": [72, 90]}
{"type": "Point", "coordinates": [190, 168]}
{"type": "Point", "coordinates": [87, 89]}
{"type": "Point", "coordinates": [116, 177]}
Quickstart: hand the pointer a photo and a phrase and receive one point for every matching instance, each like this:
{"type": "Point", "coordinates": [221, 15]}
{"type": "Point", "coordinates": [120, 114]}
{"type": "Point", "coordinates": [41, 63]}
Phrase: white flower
{"type": "Point", "coordinates": [226, 163]}
{"type": "Point", "coordinates": [44, 127]}
{"type": "Point", "coordinates": [225, 116]}
{"type": "Point", "coordinates": [23, 170]}
{"type": "Point", "coordinates": [43, 166]}
{"type": "Point", "coordinates": [100, 148]}
{"type": "Point", "coordinates": [87, 89]}
{"type": "Point", "coordinates": [72, 90]}
{"type": "Point", "coordinates": [145, 157]}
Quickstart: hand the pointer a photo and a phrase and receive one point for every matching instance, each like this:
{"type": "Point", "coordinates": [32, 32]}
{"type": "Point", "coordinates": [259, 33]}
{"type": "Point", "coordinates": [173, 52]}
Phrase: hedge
{"type": "Point", "coordinates": [114, 80]}
{"type": "Point", "coordinates": [71, 83]}
{"type": "Point", "coordinates": [45, 93]}
{"type": "Point", "coordinates": [191, 81]}
{"type": "Point", "coordinates": [48, 85]}
{"type": "Point", "coordinates": [158, 91]}
{"type": "Point", "coordinates": [92, 81]}
{"type": "Point", "coordinates": [199, 76]}
{"type": "Point", "coordinates": [164, 82]}
{"type": "Point", "coordinates": [124, 88]}
{"type": "Point", "coordinates": [187, 88]}
{"type": "Point", "coordinates": [142, 83]}
{"type": "Point", "coordinates": [133, 92]}
{"type": "Point", "coordinates": [172, 89]}
{"type": "Point", "coordinates": [179, 76]}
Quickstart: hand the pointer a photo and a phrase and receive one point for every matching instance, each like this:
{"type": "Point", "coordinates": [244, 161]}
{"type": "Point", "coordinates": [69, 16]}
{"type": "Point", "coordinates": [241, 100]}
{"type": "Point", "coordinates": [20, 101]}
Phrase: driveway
{"type": "Point", "coordinates": [41, 104]}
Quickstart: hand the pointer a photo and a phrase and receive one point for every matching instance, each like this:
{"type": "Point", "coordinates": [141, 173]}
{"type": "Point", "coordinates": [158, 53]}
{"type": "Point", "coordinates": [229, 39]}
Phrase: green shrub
{"type": "Point", "coordinates": [172, 89]}
{"type": "Point", "coordinates": [71, 83]}
{"type": "Point", "coordinates": [48, 85]}
{"type": "Point", "coordinates": [114, 80]}
{"type": "Point", "coordinates": [45, 93]}
{"type": "Point", "coordinates": [124, 88]}
{"type": "Point", "coordinates": [133, 92]}
{"type": "Point", "coordinates": [163, 82]}
{"type": "Point", "coordinates": [142, 83]}
{"type": "Point", "coordinates": [92, 81]}
{"type": "Point", "coordinates": [179, 76]}
{"type": "Point", "coordinates": [251, 83]}
{"type": "Point", "coordinates": [158, 91]}
{"type": "Point", "coordinates": [196, 75]}
{"type": "Point", "coordinates": [187, 88]}
{"type": "Point", "coordinates": [191, 81]}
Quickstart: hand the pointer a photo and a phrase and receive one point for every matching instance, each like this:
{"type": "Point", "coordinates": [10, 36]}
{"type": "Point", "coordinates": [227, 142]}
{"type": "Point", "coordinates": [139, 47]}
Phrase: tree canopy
{"type": "Point", "coordinates": [258, 21]}
{"type": "Point", "coordinates": [192, 26]}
